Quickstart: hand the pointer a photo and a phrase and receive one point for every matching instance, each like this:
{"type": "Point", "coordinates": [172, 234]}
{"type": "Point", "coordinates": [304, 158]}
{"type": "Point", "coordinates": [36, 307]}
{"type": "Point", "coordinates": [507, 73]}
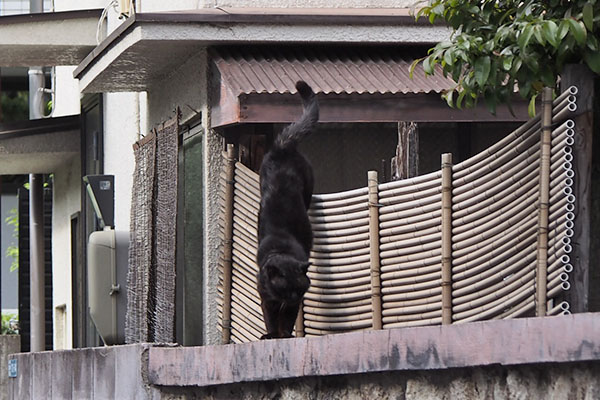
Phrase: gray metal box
{"type": "Point", "coordinates": [107, 257]}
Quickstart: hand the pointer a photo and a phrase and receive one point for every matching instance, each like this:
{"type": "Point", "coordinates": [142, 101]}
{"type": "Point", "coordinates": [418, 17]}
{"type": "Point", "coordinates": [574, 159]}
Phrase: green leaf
{"type": "Point", "coordinates": [563, 29]}
{"type": "Point", "coordinates": [507, 63]}
{"type": "Point", "coordinates": [550, 31]}
{"type": "Point", "coordinates": [428, 65]}
{"type": "Point", "coordinates": [482, 69]}
{"type": "Point", "coordinates": [461, 96]}
{"type": "Point", "coordinates": [548, 77]}
{"type": "Point", "coordinates": [413, 65]}
{"type": "Point", "coordinates": [592, 59]}
{"type": "Point", "coordinates": [449, 57]}
{"type": "Point", "coordinates": [490, 101]}
{"type": "Point", "coordinates": [537, 32]}
{"type": "Point", "coordinates": [448, 96]}
{"type": "Point", "coordinates": [525, 37]}
{"type": "Point", "coordinates": [588, 16]}
{"type": "Point", "coordinates": [516, 66]}
{"type": "Point", "coordinates": [531, 107]}
{"type": "Point", "coordinates": [578, 30]}
{"type": "Point", "coordinates": [592, 43]}
{"type": "Point", "coordinates": [474, 10]}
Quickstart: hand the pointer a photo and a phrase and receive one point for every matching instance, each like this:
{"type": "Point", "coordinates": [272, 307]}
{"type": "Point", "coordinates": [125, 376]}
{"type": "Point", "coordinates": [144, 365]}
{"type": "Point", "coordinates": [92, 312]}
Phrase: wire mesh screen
{"type": "Point", "coordinates": [140, 242]}
{"type": "Point", "coordinates": [165, 215]}
{"type": "Point", "coordinates": [151, 275]}
{"type": "Point", "coordinates": [391, 274]}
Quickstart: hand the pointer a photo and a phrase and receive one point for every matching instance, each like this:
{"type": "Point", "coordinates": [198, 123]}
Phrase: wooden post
{"type": "Point", "coordinates": [541, 286]}
{"type": "Point", "coordinates": [406, 162]}
{"type": "Point", "coordinates": [300, 321]}
{"type": "Point", "coordinates": [374, 248]}
{"type": "Point", "coordinates": [584, 229]}
{"type": "Point", "coordinates": [228, 243]}
{"type": "Point", "coordinates": [447, 238]}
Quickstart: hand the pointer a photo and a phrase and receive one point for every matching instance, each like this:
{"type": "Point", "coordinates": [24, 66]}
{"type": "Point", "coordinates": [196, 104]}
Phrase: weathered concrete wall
{"type": "Point", "coordinates": [530, 358]}
{"type": "Point", "coordinates": [92, 373]}
{"type": "Point", "coordinates": [579, 381]}
{"type": "Point", "coordinates": [9, 344]}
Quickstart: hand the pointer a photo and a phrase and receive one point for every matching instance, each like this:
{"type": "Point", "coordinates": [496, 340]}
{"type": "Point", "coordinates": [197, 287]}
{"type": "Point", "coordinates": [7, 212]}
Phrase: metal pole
{"type": "Point", "coordinates": [36, 94]}
{"type": "Point", "coordinates": [36, 262]}
{"type": "Point", "coordinates": [36, 217]}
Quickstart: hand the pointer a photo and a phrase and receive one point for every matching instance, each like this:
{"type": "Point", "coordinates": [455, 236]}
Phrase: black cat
{"type": "Point", "coordinates": [284, 231]}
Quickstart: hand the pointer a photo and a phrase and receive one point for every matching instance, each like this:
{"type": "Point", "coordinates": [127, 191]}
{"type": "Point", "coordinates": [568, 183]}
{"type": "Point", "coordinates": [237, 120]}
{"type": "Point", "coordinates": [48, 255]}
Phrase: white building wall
{"type": "Point", "coordinates": [67, 202]}
{"type": "Point", "coordinates": [66, 96]}
{"type": "Point", "coordinates": [122, 128]}
{"type": "Point", "coordinates": [68, 5]}
{"type": "Point", "coordinates": [159, 5]}
{"type": "Point", "coordinates": [67, 195]}
{"type": "Point", "coordinates": [311, 3]}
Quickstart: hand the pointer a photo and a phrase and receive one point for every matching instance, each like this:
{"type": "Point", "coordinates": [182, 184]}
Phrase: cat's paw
{"type": "Point", "coordinates": [266, 336]}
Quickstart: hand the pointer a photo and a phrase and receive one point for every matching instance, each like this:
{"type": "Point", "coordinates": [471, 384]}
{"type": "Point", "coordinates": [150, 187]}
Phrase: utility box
{"type": "Point", "coordinates": [107, 260]}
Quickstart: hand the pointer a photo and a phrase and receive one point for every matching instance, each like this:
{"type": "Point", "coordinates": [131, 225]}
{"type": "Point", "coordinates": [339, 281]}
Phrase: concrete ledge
{"type": "Point", "coordinates": [572, 338]}
{"type": "Point", "coordinates": [93, 373]}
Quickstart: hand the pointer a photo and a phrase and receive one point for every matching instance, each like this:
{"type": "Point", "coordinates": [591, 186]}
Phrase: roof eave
{"type": "Point", "coordinates": [150, 46]}
{"type": "Point", "coordinates": [38, 146]}
{"type": "Point", "coordinates": [47, 39]}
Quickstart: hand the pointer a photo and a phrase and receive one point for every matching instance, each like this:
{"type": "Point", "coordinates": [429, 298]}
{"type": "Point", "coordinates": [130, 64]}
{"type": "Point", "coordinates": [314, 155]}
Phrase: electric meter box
{"type": "Point", "coordinates": [107, 261]}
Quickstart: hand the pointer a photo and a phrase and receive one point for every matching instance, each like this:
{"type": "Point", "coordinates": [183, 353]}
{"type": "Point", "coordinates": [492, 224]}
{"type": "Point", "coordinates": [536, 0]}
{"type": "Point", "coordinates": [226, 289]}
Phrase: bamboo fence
{"type": "Point", "coordinates": [487, 238]}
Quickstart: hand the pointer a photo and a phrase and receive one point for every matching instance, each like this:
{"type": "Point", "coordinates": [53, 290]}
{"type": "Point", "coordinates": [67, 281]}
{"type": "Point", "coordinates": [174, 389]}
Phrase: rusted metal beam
{"type": "Point", "coordinates": [283, 108]}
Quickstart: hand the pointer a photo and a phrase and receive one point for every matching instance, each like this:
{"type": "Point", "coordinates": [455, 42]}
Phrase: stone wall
{"type": "Point", "coordinates": [530, 358]}
{"type": "Point", "coordinates": [9, 344]}
{"type": "Point", "coordinates": [542, 381]}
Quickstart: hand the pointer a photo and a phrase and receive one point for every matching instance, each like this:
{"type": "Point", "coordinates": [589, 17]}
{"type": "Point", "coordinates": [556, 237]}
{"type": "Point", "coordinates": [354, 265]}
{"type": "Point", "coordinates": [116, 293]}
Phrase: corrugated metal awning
{"type": "Point", "coordinates": [255, 84]}
{"type": "Point", "coordinates": [328, 70]}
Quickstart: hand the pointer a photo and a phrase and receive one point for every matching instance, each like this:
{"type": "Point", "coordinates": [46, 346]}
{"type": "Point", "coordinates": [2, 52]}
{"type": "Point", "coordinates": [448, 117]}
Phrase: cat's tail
{"type": "Point", "coordinates": [292, 134]}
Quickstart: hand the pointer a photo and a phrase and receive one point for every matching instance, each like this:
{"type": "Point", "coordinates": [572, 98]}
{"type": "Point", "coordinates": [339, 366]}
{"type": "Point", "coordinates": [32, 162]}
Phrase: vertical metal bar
{"type": "Point", "coordinates": [36, 257]}
{"type": "Point", "coordinates": [36, 216]}
{"type": "Point", "coordinates": [374, 248]}
{"type": "Point", "coordinates": [544, 185]}
{"type": "Point", "coordinates": [36, 6]}
{"type": "Point", "coordinates": [446, 239]}
{"type": "Point", "coordinates": [228, 243]}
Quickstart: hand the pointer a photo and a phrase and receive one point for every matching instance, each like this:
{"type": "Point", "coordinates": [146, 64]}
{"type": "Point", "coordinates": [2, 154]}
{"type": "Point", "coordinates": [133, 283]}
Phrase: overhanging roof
{"type": "Point", "coordinates": [254, 84]}
{"type": "Point", "coordinates": [48, 39]}
{"type": "Point", "coordinates": [38, 146]}
{"type": "Point", "coordinates": [148, 47]}
{"type": "Point", "coordinates": [328, 70]}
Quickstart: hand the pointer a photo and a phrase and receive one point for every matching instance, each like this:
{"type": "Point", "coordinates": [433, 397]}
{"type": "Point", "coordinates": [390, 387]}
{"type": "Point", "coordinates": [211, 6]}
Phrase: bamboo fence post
{"type": "Point", "coordinates": [300, 320]}
{"type": "Point", "coordinates": [542, 242]}
{"type": "Point", "coordinates": [228, 243]}
{"type": "Point", "coordinates": [446, 238]}
{"type": "Point", "coordinates": [374, 248]}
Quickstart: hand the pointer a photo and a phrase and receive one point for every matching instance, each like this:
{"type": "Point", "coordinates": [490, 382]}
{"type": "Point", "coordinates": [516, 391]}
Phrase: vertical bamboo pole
{"type": "Point", "coordinates": [300, 320]}
{"type": "Point", "coordinates": [446, 238]}
{"type": "Point", "coordinates": [374, 248]}
{"type": "Point", "coordinates": [228, 243]}
{"type": "Point", "coordinates": [542, 245]}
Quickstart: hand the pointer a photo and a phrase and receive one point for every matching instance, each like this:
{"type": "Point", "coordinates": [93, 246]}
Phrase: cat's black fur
{"type": "Point", "coordinates": [284, 231]}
